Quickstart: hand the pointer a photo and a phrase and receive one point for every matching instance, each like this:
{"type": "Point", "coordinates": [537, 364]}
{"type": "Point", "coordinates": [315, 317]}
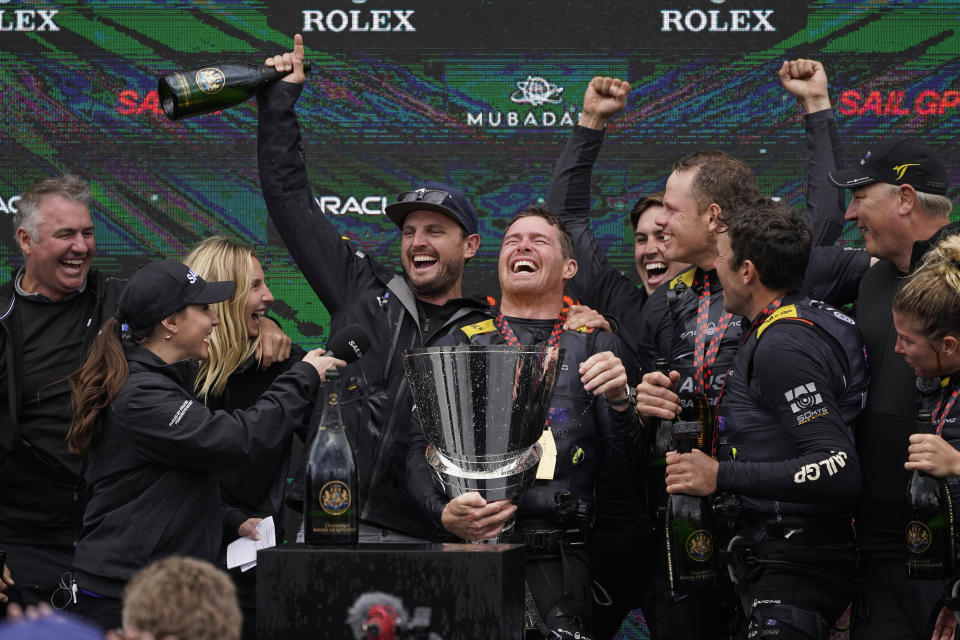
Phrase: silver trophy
{"type": "Point", "coordinates": [482, 409]}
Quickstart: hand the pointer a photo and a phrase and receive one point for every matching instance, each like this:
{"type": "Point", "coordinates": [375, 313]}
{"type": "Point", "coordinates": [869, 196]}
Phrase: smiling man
{"type": "Point", "coordinates": [438, 234]}
{"type": "Point", "coordinates": [899, 203]}
{"type": "Point", "coordinates": [592, 423]}
{"type": "Point", "coordinates": [49, 314]}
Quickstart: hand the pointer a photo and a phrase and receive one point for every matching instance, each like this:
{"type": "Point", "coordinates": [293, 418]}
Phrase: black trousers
{"type": "Point", "coordinates": [792, 589]}
{"type": "Point", "coordinates": [560, 586]}
{"type": "Point", "coordinates": [891, 605]}
{"type": "Point", "coordinates": [38, 571]}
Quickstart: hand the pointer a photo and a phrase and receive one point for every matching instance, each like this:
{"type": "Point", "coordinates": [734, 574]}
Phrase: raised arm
{"type": "Point", "coordinates": [806, 80]}
{"type": "Point", "coordinates": [331, 264]}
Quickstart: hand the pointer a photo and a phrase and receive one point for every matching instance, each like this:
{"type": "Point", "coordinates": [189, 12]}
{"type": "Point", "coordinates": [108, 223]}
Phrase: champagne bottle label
{"type": "Point", "coordinates": [335, 497]}
{"type": "Point", "coordinates": [918, 537]}
{"type": "Point", "coordinates": [700, 546]}
{"type": "Point", "coordinates": [210, 80]}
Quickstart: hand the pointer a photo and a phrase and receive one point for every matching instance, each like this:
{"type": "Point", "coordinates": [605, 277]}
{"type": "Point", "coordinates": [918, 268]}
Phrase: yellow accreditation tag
{"type": "Point", "coordinates": [548, 461]}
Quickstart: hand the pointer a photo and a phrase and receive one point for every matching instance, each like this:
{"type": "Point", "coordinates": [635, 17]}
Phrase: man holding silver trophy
{"type": "Point", "coordinates": [482, 396]}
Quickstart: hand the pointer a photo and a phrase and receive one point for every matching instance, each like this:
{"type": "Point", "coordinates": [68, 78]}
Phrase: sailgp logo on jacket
{"type": "Point", "coordinates": [805, 402]}
{"type": "Point", "coordinates": [178, 416]}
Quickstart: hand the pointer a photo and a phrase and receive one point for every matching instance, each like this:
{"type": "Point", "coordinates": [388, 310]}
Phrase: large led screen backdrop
{"type": "Point", "coordinates": [478, 93]}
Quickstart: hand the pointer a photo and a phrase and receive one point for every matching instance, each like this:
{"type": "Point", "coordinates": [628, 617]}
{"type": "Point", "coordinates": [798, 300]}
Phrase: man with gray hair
{"type": "Point", "coordinates": [899, 203]}
{"type": "Point", "coordinates": [49, 313]}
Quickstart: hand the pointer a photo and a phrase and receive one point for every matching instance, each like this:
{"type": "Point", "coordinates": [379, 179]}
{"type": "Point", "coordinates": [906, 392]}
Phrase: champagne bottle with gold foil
{"type": "Point", "coordinates": [330, 508]}
{"type": "Point", "coordinates": [929, 534]}
{"type": "Point", "coordinates": [691, 548]}
{"type": "Point", "coordinates": [218, 86]}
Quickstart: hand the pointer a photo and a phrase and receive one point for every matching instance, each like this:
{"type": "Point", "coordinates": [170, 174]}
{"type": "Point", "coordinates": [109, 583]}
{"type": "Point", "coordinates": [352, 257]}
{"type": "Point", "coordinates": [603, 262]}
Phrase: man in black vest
{"type": "Point", "coordinates": [784, 444]}
{"type": "Point", "coordinates": [899, 203]}
{"type": "Point", "coordinates": [592, 421]}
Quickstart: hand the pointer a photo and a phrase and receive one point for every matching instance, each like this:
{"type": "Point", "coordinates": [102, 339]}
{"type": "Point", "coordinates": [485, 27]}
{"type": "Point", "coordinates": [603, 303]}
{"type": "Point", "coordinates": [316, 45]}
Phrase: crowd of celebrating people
{"type": "Point", "coordinates": [154, 417]}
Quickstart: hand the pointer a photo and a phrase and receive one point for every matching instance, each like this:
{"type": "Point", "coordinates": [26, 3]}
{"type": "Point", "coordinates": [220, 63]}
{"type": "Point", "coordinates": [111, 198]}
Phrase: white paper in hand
{"type": "Point", "coordinates": [242, 552]}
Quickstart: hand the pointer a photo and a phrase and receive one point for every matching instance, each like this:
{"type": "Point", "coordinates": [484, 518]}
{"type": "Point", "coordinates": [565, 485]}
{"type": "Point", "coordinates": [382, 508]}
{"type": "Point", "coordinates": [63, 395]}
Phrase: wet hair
{"type": "Point", "coordinates": [184, 598]}
{"type": "Point", "coordinates": [566, 241]}
{"type": "Point", "coordinates": [774, 237]}
{"type": "Point", "coordinates": [28, 215]}
{"type": "Point", "coordinates": [98, 380]}
{"type": "Point", "coordinates": [652, 200]}
{"type": "Point", "coordinates": [721, 179]}
{"type": "Point", "coordinates": [216, 259]}
{"type": "Point", "coordinates": [931, 295]}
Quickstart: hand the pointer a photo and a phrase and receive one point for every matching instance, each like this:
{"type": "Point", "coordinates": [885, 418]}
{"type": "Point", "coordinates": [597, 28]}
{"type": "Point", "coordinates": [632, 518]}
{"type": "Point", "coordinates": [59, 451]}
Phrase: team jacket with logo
{"type": "Point", "coordinates": [785, 421]}
{"type": "Point", "coordinates": [154, 471]}
{"type": "Point", "coordinates": [587, 432]}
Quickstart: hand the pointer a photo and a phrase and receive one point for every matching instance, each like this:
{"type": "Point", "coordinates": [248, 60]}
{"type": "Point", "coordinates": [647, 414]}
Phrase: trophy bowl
{"type": "Point", "coordinates": [482, 409]}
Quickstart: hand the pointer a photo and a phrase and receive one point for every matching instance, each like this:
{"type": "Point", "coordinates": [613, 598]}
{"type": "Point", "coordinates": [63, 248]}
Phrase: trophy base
{"type": "Point", "coordinates": [500, 480]}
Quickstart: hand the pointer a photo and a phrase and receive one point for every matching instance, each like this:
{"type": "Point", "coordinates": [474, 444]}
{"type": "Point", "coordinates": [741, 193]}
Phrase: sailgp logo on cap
{"type": "Point", "coordinates": [192, 276]}
{"type": "Point", "coordinates": [902, 169]}
{"type": "Point", "coordinates": [865, 158]}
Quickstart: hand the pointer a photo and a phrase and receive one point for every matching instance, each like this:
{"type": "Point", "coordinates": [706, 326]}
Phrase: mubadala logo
{"type": "Point", "coordinates": [537, 92]}
{"type": "Point", "coordinates": [362, 206]}
{"type": "Point", "coordinates": [716, 20]}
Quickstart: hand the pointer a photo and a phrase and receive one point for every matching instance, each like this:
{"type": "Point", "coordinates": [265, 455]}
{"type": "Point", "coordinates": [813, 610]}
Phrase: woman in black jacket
{"type": "Point", "coordinates": [153, 451]}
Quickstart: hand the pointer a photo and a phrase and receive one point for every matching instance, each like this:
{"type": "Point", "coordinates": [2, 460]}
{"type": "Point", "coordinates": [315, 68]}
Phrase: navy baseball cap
{"type": "Point", "coordinates": [434, 196]}
{"type": "Point", "coordinates": [897, 161]}
{"type": "Point", "coordinates": [158, 289]}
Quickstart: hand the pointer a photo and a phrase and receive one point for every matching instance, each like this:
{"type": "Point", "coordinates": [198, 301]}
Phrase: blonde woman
{"type": "Point", "coordinates": [232, 378]}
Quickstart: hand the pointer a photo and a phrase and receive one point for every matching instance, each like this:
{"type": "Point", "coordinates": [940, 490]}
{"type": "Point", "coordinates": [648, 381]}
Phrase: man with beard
{"type": "Point", "coordinates": [592, 422]}
{"type": "Point", "coordinates": [438, 235]}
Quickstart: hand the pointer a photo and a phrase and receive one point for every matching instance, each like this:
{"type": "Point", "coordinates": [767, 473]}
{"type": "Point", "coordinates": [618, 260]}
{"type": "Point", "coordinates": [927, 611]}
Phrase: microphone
{"type": "Point", "coordinates": [349, 343]}
{"type": "Point", "coordinates": [376, 616]}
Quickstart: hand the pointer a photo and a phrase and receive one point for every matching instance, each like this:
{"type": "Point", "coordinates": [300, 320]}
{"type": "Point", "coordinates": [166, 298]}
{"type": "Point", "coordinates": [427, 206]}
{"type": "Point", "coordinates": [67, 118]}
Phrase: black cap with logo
{"type": "Point", "coordinates": [158, 289]}
{"type": "Point", "coordinates": [434, 196]}
{"type": "Point", "coordinates": [897, 161]}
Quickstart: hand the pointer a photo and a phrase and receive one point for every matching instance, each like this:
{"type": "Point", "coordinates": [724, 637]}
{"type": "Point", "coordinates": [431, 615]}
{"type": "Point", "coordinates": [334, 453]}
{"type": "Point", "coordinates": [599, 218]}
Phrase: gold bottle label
{"type": "Point", "coordinates": [210, 80]}
{"type": "Point", "coordinates": [334, 497]}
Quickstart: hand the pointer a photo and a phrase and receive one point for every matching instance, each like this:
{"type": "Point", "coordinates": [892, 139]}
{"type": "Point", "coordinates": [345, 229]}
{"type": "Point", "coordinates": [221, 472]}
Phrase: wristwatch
{"type": "Point", "coordinates": [629, 398]}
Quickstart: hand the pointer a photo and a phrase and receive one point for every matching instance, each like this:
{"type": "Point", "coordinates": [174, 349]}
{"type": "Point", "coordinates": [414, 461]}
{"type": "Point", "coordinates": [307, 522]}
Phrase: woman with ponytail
{"type": "Point", "coordinates": [153, 451]}
{"type": "Point", "coordinates": [926, 314]}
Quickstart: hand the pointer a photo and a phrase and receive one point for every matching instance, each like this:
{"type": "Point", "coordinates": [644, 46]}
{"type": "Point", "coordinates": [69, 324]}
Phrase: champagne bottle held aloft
{"type": "Point", "coordinates": [330, 507]}
{"type": "Point", "coordinates": [204, 89]}
{"type": "Point", "coordinates": [929, 534]}
{"type": "Point", "coordinates": [691, 548]}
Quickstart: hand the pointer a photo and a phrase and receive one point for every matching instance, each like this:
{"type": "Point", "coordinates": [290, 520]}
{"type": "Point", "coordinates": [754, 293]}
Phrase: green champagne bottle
{"type": "Point", "coordinates": [691, 547]}
{"type": "Point", "coordinates": [330, 507]}
{"type": "Point", "coordinates": [204, 89]}
{"type": "Point", "coordinates": [929, 534]}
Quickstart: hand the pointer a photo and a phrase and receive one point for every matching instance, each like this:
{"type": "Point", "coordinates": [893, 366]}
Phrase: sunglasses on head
{"type": "Point", "coordinates": [431, 196]}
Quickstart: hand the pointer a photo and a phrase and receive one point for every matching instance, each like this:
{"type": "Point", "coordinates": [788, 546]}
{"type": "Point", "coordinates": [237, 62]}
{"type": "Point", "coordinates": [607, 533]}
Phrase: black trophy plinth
{"type": "Point", "coordinates": [473, 590]}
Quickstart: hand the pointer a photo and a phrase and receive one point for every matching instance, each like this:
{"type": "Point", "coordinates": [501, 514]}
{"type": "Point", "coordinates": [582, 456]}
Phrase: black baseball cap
{"type": "Point", "coordinates": [434, 196]}
{"type": "Point", "coordinates": [158, 289]}
{"type": "Point", "coordinates": [897, 161]}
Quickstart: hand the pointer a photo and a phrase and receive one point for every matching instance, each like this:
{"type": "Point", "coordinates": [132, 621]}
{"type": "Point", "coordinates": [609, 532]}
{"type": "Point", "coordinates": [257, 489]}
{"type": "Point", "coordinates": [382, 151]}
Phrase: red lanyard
{"type": "Point", "coordinates": [507, 331]}
{"type": "Point", "coordinates": [766, 313]}
{"type": "Point", "coordinates": [946, 410]}
{"type": "Point", "coordinates": [705, 355]}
